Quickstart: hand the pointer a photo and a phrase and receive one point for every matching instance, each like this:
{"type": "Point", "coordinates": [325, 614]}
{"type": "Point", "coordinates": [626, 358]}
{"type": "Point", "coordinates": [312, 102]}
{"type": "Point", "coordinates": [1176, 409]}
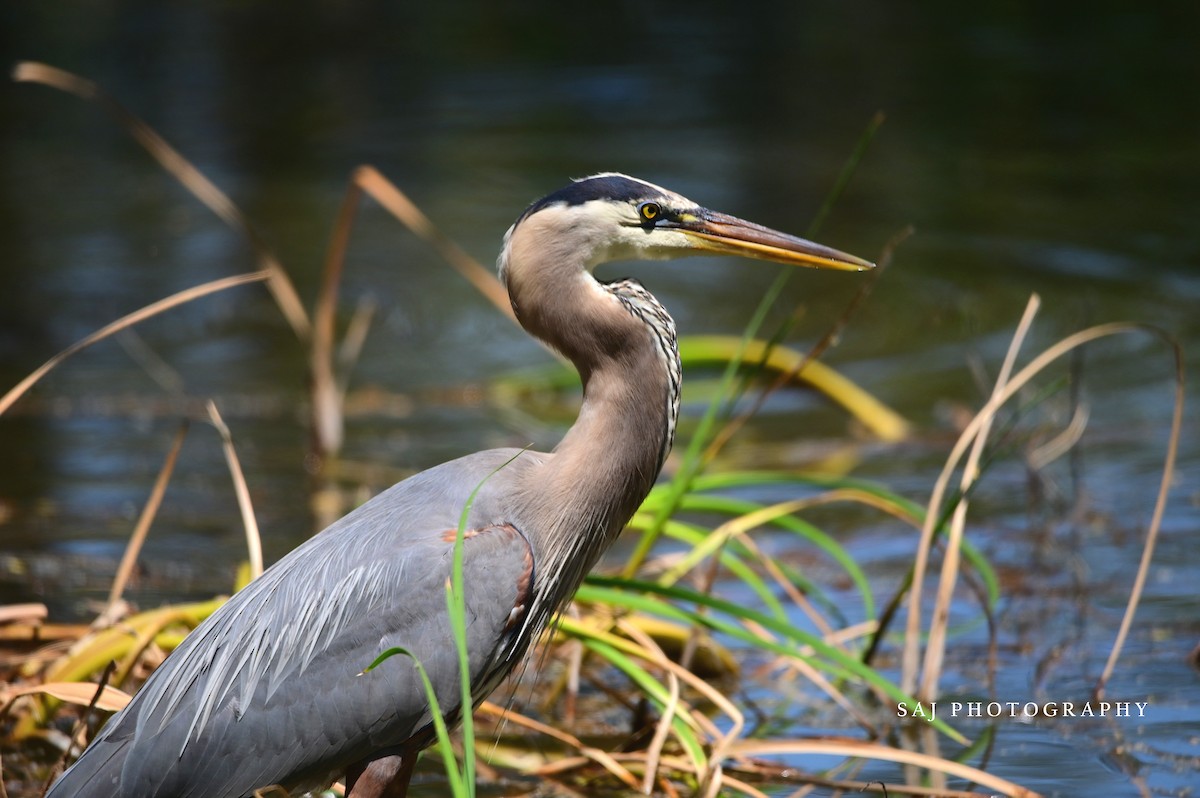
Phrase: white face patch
{"type": "Point", "coordinates": [567, 231]}
{"type": "Point", "coordinates": [601, 231]}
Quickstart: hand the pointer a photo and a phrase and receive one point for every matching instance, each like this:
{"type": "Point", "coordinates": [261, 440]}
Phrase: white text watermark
{"type": "Point", "coordinates": [929, 710]}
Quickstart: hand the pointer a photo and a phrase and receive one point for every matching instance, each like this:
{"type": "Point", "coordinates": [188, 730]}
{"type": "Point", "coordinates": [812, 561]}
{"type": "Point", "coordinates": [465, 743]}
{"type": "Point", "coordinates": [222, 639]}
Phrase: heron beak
{"type": "Point", "coordinates": [721, 233]}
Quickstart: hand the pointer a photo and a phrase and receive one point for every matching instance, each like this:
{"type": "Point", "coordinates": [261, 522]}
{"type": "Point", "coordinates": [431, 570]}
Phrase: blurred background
{"type": "Point", "coordinates": [1035, 147]}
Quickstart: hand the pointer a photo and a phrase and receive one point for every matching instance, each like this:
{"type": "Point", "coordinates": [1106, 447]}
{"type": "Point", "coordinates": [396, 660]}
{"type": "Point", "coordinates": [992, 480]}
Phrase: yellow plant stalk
{"type": "Point", "coordinates": [880, 419]}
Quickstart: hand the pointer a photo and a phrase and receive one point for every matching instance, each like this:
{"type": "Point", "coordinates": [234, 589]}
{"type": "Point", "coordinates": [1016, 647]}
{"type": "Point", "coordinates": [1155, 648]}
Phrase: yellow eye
{"type": "Point", "coordinates": [649, 211]}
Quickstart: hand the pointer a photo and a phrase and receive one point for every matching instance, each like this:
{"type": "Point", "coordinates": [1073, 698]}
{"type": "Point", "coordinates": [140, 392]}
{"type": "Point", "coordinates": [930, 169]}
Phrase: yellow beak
{"type": "Point", "coordinates": [721, 233]}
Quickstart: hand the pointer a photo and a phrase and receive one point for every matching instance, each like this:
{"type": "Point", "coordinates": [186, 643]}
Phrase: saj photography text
{"type": "Point", "coordinates": [931, 710]}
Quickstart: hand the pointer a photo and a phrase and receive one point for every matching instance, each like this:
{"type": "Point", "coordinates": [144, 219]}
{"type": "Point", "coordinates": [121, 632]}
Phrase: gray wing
{"type": "Point", "coordinates": [268, 689]}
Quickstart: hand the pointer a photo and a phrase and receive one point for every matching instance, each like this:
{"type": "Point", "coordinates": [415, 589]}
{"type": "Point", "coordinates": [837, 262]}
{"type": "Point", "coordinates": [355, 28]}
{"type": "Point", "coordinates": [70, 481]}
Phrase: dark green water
{"type": "Point", "coordinates": [1048, 148]}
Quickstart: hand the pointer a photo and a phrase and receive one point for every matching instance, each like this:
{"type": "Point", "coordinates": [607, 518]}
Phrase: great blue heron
{"type": "Point", "coordinates": [266, 690]}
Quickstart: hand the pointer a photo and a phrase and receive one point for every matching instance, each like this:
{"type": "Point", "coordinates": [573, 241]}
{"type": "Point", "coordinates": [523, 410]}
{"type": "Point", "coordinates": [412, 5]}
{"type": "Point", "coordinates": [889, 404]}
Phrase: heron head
{"type": "Point", "coordinates": [611, 216]}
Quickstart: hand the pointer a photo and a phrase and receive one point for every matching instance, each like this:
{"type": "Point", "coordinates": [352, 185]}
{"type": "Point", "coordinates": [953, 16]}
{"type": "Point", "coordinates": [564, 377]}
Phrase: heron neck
{"type": "Point", "coordinates": [623, 344]}
{"type": "Point", "coordinates": [603, 468]}
{"type": "Point", "coordinates": [611, 456]}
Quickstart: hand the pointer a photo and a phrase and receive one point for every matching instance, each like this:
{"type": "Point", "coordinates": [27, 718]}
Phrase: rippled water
{"type": "Point", "coordinates": [1042, 149]}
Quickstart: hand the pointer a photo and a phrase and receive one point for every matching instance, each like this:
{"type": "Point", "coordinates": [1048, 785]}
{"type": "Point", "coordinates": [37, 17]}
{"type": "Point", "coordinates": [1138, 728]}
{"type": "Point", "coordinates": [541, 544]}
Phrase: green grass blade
{"type": "Point", "coordinates": [657, 693]}
{"type": "Point", "coordinates": [800, 527]}
{"type": "Point", "coordinates": [616, 650]}
{"type": "Point", "coordinates": [456, 606]}
{"type": "Point", "coordinates": [439, 720]}
{"type": "Point", "coordinates": [615, 591]}
{"type": "Point", "coordinates": [731, 480]}
{"type": "Point", "coordinates": [731, 559]}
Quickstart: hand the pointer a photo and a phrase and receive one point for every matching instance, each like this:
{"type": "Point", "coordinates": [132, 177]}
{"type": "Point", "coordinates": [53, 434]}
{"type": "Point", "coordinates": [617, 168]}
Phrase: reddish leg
{"type": "Point", "coordinates": [385, 777]}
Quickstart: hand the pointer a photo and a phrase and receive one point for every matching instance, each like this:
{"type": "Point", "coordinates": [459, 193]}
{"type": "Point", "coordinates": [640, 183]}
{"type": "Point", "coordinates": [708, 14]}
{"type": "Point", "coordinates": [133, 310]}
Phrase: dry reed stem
{"type": "Point", "coordinates": [328, 415]}
{"type": "Point", "coordinates": [668, 789]}
{"type": "Point", "coordinates": [711, 770]}
{"type": "Point", "coordinates": [817, 679]}
{"type": "Point", "coordinates": [1160, 506]}
{"type": "Point", "coordinates": [740, 527]}
{"type": "Point", "coordinates": [883, 753]}
{"type": "Point", "coordinates": [182, 170]}
{"type": "Point", "coordinates": [253, 541]}
{"type": "Point", "coordinates": [142, 528]}
{"type": "Point", "coordinates": [836, 637]}
{"type": "Point", "coordinates": [713, 780]}
{"type": "Point", "coordinates": [79, 727]}
{"type": "Point", "coordinates": [574, 668]}
{"type": "Point", "coordinates": [935, 646]}
{"type": "Point", "coordinates": [31, 613]}
{"type": "Point", "coordinates": [726, 780]}
{"type": "Point", "coordinates": [103, 697]}
{"type": "Point", "coordinates": [735, 527]}
{"type": "Point", "coordinates": [678, 764]}
{"type": "Point", "coordinates": [1035, 367]}
{"type": "Point", "coordinates": [141, 644]}
{"type": "Point", "coordinates": [661, 730]}
{"type": "Point", "coordinates": [153, 309]}
{"type": "Point", "coordinates": [588, 753]}
{"type": "Point", "coordinates": [789, 589]}
{"type": "Point", "coordinates": [646, 649]}
{"type": "Point", "coordinates": [395, 202]}
{"type": "Point", "coordinates": [1060, 444]}
{"type": "Point", "coordinates": [157, 369]}
{"type": "Point", "coordinates": [721, 742]}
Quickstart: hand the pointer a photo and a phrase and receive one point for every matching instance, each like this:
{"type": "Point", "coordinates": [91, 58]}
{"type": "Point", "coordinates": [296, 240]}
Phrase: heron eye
{"type": "Point", "coordinates": [650, 211]}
